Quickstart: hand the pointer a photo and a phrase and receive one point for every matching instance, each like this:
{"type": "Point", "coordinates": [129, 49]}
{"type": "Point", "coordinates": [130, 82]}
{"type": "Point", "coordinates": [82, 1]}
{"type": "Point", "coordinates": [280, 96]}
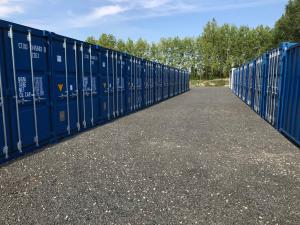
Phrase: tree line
{"type": "Point", "coordinates": [219, 48]}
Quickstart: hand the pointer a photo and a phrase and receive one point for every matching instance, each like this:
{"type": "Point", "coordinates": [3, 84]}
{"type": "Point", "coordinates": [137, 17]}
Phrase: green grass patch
{"type": "Point", "coordinates": [210, 83]}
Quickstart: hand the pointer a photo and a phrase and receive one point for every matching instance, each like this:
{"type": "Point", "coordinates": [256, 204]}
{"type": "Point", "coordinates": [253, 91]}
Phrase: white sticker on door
{"type": "Point", "coordinates": [38, 86]}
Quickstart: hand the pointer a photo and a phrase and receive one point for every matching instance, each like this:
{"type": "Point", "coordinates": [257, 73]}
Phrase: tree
{"type": "Point", "coordinates": [108, 41]}
{"type": "Point", "coordinates": [287, 28]}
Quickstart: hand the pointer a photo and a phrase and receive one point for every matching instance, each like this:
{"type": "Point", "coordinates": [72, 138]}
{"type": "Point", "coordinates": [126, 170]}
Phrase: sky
{"type": "Point", "coordinates": [149, 19]}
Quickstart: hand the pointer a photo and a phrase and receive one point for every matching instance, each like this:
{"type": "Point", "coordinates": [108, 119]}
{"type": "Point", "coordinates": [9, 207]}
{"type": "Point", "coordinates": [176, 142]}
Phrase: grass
{"type": "Point", "coordinates": [210, 83]}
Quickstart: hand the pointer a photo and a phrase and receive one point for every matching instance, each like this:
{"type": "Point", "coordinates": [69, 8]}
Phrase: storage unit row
{"type": "Point", "coordinates": [52, 87]}
{"type": "Point", "coordinates": [270, 86]}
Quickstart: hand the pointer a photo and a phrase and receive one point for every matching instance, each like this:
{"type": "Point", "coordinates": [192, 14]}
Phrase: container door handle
{"type": "Point", "coordinates": [11, 36]}
{"type": "Point", "coordinates": [83, 88]}
{"type": "Point", "coordinates": [39, 99]}
{"type": "Point", "coordinates": [77, 90]}
{"type": "Point", "coordinates": [2, 105]}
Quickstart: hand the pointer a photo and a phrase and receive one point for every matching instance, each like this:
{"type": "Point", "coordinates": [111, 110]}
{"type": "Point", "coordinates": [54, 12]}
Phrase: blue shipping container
{"type": "Point", "coordinates": [53, 86]}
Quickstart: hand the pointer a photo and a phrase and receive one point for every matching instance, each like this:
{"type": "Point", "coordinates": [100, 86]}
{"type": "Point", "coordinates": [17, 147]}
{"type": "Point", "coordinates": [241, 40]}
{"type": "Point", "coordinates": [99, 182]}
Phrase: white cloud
{"type": "Point", "coordinates": [96, 15]}
{"type": "Point", "coordinates": [8, 7]}
{"type": "Point", "coordinates": [159, 8]}
{"type": "Point", "coordinates": [231, 5]}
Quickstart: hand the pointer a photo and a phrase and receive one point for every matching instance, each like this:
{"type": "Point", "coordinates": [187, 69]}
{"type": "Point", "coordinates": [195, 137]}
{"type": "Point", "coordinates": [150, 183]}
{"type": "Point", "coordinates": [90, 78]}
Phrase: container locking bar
{"type": "Point", "coordinates": [91, 78]}
{"type": "Point", "coordinates": [11, 36]}
{"type": "Point", "coordinates": [147, 84]}
{"type": "Point", "coordinates": [122, 83]}
{"type": "Point", "coordinates": [117, 84]}
{"type": "Point", "coordinates": [2, 105]}
{"type": "Point", "coordinates": [135, 86]}
{"type": "Point", "coordinates": [36, 138]}
{"type": "Point", "coordinates": [108, 86]}
{"type": "Point", "coordinates": [77, 90]}
{"type": "Point", "coordinates": [67, 86]}
{"type": "Point", "coordinates": [83, 86]}
{"type": "Point", "coordinates": [131, 84]}
{"type": "Point", "coordinates": [113, 86]}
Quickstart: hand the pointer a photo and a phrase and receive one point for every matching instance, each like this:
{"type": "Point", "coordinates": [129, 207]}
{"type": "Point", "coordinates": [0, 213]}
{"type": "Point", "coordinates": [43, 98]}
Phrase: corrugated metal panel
{"type": "Point", "coordinates": [27, 72]}
{"type": "Point", "coordinates": [260, 86]}
{"type": "Point", "coordinates": [290, 104]}
{"type": "Point", "coordinates": [251, 83]}
{"type": "Point", "coordinates": [245, 82]}
{"type": "Point", "coordinates": [166, 82]}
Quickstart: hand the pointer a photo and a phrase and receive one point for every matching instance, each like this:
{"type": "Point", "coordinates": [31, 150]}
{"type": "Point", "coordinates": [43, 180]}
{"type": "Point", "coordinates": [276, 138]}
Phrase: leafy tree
{"type": "Point", "coordinates": [287, 28]}
{"type": "Point", "coordinates": [91, 40]}
{"type": "Point", "coordinates": [108, 41]}
{"type": "Point", "coordinates": [219, 48]}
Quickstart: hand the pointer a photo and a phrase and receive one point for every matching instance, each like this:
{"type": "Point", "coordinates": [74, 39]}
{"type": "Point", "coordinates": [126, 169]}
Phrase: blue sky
{"type": "Point", "coordinates": [150, 19]}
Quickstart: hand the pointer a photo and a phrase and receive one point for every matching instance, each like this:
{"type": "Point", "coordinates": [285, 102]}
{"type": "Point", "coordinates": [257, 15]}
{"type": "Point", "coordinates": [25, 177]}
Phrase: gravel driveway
{"type": "Point", "coordinates": [200, 158]}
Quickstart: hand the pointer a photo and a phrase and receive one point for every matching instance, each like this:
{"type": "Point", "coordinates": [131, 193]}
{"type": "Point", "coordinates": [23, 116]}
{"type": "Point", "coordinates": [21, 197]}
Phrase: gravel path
{"type": "Point", "coordinates": [200, 158]}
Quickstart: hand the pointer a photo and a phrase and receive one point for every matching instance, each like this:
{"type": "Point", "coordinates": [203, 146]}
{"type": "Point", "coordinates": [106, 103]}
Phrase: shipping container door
{"type": "Point", "coordinates": [165, 83]}
{"type": "Point", "coordinates": [112, 81]}
{"type": "Point", "coordinates": [137, 88]}
{"type": "Point", "coordinates": [140, 84]}
{"type": "Point", "coordinates": [144, 78]}
{"type": "Point", "coordinates": [243, 83]}
{"type": "Point", "coordinates": [134, 82]}
{"type": "Point", "coordinates": [129, 83]}
{"type": "Point", "coordinates": [118, 78]}
{"type": "Point", "coordinates": [176, 81]}
{"type": "Point", "coordinates": [90, 82]}
{"type": "Point", "coordinates": [161, 83]}
{"type": "Point", "coordinates": [27, 54]}
{"type": "Point", "coordinates": [4, 129]}
{"type": "Point", "coordinates": [180, 81]}
{"type": "Point", "coordinates": [258, 85]}
{"type": "Point", "coordinates": [122, 85]}
{"type": "Point", "coordinates": [249, 84]}
{"type": "Point", "coordinates": [151, 83]}
{"type": "Point", "coordinates": [143, 83]}
{"type": "Point", "coordinates": [147, 84]}
{"type": "Point", "coordinates": [184, 80]}
{"type": "Point", "coordinates": [272, 87]}
{"type": "Point", "coordinates": [290, 113]}
{"type": "Point", "coordinates": [171, 84]}
{"type": "Point", "coordinates": [156, 83]}
{"type": "Point", "coordinates": [236, 81]}
{"type": "Point", "coordinates": [65, 89]}
{"type": "Point", "coordinates": [239, 82]}
{"type": "Point", "coordinates": [106, 90]}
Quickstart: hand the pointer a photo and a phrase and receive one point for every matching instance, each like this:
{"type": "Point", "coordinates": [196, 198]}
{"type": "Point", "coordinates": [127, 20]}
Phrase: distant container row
{"type": "Point", "coordinates": [270, 85]}
{"type": "Point", "coordinates": [52, 87]}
